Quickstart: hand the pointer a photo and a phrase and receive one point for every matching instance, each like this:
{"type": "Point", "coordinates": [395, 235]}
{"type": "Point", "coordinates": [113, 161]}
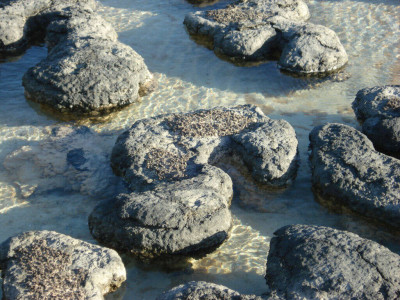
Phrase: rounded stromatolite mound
{"type": "Point", "coordinates": [347, 170]}
{"type": "Point", "coordinates": [181, 202]}
{"type": "Point", "coordinates": [87, 70]}
{"type": "Point", "coordinates": [315, 262]}
{"type": "Point", "coordinates": [259, 29]}
{"type": "Point", "coordinates": [199, 290]}
{"type": "Point", "coordinates": [379, 110]}
{"type": "Point", "coordinates": [175, 146]}
{"type": "Point", "coordinates": [50, 265]}
{"type": "Point", "coordinates": [182, 217]}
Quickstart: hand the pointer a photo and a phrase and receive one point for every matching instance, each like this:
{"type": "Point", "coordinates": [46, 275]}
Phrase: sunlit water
{"type": "Point", "coordinates": [191, 77]}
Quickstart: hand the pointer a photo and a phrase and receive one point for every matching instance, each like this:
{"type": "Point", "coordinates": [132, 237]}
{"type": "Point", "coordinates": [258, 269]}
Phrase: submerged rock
{"type": "Point", "coordinates": [198, 290]}
{"type": "Point", "coordinates": [315, 262]}
{"type": "Point", "coordinates": [379, 110]}
{"type": "Point", "coordinates": [87, 70]}
{"type": "Point", "coordinates": [259, 29]}
{"type": "Point", "coordinates": [72, 159]}
{"type": "Point", "coordinates": [347, 170]}
{"type": "Point", "coordinates": [50, 265]}
{"type": "Point", "coordinates": [180, 203]}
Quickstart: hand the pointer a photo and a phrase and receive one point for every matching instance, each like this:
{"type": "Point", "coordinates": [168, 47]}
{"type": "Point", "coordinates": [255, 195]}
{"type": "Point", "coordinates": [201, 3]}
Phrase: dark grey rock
{"type": "Point", "coordinates": [87, 70]}
{"type": "Point", "coordinates": [347, 170]}
{"type": "Point", "coordinates": [379, 110]}
{"type": "Point", "coordinates": [182, 217]}
{"type": "Point", "coordinates": [181, 202]}
{"type": "Point", "coordinates": [50, 265]}
{"type": "Point", "coordinates": [258, 29]}
{"type": "Point", "coordinates": [315, 262]}
{"type": "Point", "coordinates": [200, 290]}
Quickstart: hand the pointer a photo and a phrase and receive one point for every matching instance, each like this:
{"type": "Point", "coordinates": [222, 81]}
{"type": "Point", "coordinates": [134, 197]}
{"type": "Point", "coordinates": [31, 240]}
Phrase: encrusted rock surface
{"type": "Point", "coordinates": [379, 110]}
{"type": "Point", "coordinates": [72, 159]}
{"type": "Point", "coordinates": [50, 265]}
{"type": "Point", "coordinates": [87, 70]}
{"type": "Point", "coordinates": [175, 146]}
{"type": "Point", "coordinates": [258, 29]}
{"type": "Point", "coordinates": [315, 262]}
{"type": "Point", "coordinates": [199, 290]}
{"type": "Point", "coordinates": [347, 170]}
{"type": "Point", "coordinates": [180, 203]}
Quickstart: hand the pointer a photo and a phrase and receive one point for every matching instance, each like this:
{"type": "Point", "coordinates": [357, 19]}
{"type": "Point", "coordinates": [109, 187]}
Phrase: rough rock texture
{"type": "Point", "coordinates": [258, 29]}
{"type": "Point", "coordinates": [315, 262]}
{"type": "Point", "coordinates": [87, 69]}
{"type": "Point", "coordinates": [175, 146]}
{"type": "Point", "coordinates": [347, 170]}
{"type": "Point", "coordinates": [200, 290]}
{"type": "Point", "coordinates": [50, 265]}
{"type": "Point", "coordinates": [72, 159]}
{"type": "Point", "coordinates": [379, 110]}
{"type": "Point", "coordinates": [21, 19]}
{"type": "Point", "coordinates": [181, 202]}
{"type": "Point", "coordinates": [182, 217]}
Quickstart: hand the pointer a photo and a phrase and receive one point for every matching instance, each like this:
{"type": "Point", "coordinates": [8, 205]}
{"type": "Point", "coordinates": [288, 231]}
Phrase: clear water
{"type": "Point", "coordinates": [190, 77]}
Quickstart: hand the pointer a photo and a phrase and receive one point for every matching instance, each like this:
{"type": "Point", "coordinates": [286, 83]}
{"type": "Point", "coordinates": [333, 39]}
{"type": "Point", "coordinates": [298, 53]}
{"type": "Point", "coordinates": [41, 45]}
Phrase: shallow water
{"type": "Point", "coordinates": [190, 77]}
